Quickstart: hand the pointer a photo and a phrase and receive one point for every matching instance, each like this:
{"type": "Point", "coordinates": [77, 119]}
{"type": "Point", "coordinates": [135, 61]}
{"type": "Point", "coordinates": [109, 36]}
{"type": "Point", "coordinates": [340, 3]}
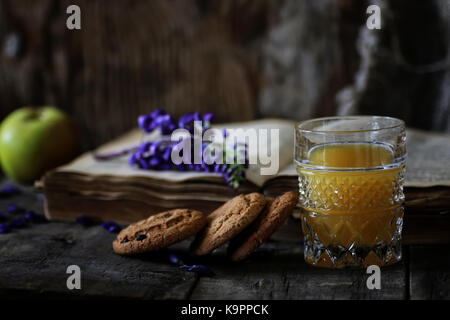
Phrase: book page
{"type": "Point", "coordinates": [428, 162]}
{"type": "Point", "coordinates": [284, 147]}
{"type": "Point", "coordinates": [118, 167]}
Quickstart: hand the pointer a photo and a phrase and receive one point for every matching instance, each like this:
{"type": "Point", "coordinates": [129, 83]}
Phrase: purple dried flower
{"type": "Point", "coordinates": [185, 120]}
{"type": "Point", "coordinates": [132, 160]}
{"type": "Point", "coordinates": [167, 153]}
{"type": "Point", "coordinates": [145, 122]}
{"type": "Point", "coordinates": [12, 208]}
{"type": "Point", "coordinates": [155, 162]}
{"type": "Point", "coordinates": [208, 117]}
{"type": "Point", "coordinates": [9, 190]}
{"type": "Point", "coordinates": [157, 113]}
{"type": "Point", "coordinates": [197, 116]}
{"type": "Point", "coordinates": [111, 227]}
{"type": "Point", "coordinates": [206, 167]}
{"type": "Point", "coordinates": [85, 221]}
{"type": "Point", "coordinates": [145, 147]}
{"type": "Point", "coordinates": [165, 123]}
{"type": "Point", "coordinates": [201, 270]}
{"type": "Point", "coordinates": [165, 166]}
{"type": "Point", "coordinates": [153, 147]}
{"type": "Point", "coordinates": [114, 229]}
{"type": "Point", "coordinates": [3, 216]}
{"type": "Point", "coordinates": [4, 228]}
{"type": "Point", "coordinates": [33, 217]}
{"type": "Point", "coordinates": [144, 164]}
{"type": "Point", "coordinates": [148, 123]}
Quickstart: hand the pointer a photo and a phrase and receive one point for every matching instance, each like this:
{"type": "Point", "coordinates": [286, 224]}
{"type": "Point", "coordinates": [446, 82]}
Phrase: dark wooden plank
{"type": "Point", "coordinates": [427, 216]}
{"type": "Point", "coordinates": [426, 229]}
{"type": "Point", "coordinates": [33, 260]}
{"type": "Point", "coordinates": [428, 200]}
{"type": "Point", "coordinates": [277, 271]}
{"type": "Point", "coordinates": [429, 272]}
{"type": "Point", "coordinates": [36, 259]}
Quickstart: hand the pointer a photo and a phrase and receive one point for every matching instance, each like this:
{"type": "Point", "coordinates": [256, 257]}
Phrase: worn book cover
{"type": "Point", "coordinates": [112, 190]}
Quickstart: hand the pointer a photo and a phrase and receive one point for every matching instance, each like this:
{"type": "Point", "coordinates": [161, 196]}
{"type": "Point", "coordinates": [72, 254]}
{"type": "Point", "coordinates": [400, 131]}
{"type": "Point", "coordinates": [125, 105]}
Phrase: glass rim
{"type": "Point", "coordinates": [399, 123]}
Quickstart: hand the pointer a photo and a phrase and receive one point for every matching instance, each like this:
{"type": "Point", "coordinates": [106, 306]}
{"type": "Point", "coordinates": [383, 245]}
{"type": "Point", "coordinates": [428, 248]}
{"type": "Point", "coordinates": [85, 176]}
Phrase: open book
{"type": "Point", "coordinates": [112, 190]}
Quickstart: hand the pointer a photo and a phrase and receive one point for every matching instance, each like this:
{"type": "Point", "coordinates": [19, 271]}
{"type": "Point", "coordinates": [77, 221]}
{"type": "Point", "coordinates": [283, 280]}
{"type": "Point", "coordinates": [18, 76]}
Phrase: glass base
{"type": "Point", "coordinates": [340, 241]}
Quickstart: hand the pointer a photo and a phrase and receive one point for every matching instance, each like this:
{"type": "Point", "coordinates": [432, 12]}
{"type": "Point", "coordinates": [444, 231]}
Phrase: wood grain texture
{"type": "Point", "coordinates": [430, 272]}
{"type": "Point", "coordinates": [132, 57]}
{"type": "Point", "coordinates": [427, 215]}
{"type": "Point", "coordinates": [277, 270]}
{"type": "Point", "coordinates": [33, 263]}
{"type": "Point", "coordinates": [36, 260]}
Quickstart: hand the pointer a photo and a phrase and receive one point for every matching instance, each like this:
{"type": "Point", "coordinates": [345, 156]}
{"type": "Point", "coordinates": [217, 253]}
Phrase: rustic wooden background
{"type": "Point", "coordinates": [242, 59]}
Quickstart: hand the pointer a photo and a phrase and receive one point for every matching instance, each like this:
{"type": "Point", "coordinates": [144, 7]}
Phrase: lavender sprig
{"type": "Point", "coordinates": [156, 155]}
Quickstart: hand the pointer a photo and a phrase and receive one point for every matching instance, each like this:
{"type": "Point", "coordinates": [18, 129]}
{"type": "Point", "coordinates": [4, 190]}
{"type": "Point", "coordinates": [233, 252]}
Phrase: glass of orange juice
{"type": "Point", "coordinates": [351, 173]}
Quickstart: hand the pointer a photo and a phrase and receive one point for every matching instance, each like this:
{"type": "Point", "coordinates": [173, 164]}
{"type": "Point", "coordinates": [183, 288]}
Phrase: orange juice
{"type": "Point", "coordinates": [351, 196]}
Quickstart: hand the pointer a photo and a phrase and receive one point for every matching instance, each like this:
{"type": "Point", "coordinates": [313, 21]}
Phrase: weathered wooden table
{"type": "Point", "coordinates": [34, 260]}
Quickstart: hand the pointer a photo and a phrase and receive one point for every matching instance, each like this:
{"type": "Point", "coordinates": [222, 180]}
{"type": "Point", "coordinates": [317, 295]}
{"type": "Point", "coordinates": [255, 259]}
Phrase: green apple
{"type": "Point", "coordinates": [34, 140]}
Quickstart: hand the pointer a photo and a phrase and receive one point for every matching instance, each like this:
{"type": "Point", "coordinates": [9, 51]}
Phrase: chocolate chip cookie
{"type": "Point", "coordinates": [159, 231]}
{"type": "Point", "coordinates": [273, 216]}
{"type": "Point", "coordinates": [227, 221]}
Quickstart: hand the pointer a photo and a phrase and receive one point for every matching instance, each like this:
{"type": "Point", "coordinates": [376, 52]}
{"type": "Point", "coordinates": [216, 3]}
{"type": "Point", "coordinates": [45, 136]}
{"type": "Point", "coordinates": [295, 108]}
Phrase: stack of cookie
{"type": "Point", "coordinates": [246, 221]}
